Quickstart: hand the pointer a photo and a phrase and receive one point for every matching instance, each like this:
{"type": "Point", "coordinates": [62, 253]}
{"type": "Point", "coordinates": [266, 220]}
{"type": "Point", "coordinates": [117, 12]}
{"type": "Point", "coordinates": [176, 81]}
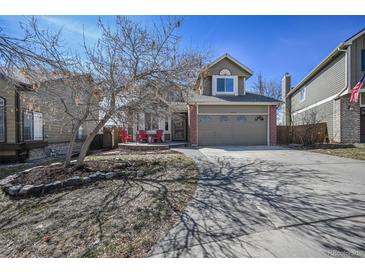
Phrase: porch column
{"type": "Point", "coordinates": [193, 124]}
{"type": "Point", "coordinates": [272, 125]}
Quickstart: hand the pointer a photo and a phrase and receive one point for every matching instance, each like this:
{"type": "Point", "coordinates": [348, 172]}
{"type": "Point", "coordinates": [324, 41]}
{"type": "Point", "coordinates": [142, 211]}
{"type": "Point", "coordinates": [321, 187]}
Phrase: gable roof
{"type": "Point", "coordinates": [336, 52]}
{"type": "Point", "coordinates": [234, 60]}
{"type": "Point", "coordinates": [248, 98]}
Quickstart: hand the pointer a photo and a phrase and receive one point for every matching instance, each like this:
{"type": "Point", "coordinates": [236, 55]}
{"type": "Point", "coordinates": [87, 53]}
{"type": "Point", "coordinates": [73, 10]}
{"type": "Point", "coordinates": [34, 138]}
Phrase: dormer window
{"type": "Point", "coordinates": [224, 85]}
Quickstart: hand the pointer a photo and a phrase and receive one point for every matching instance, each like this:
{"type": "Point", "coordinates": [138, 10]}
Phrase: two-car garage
{"type": "Point", "coordinates": [233, 125]}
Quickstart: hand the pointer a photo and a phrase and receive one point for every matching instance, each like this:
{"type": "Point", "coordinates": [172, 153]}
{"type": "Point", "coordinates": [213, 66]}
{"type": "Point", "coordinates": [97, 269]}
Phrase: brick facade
{"type": "Point", "coordinates": [349, 121]}
{"type": "Point", "coordinates": [272, 125]}
{"type": "Point", "coordinates": [193, 124]}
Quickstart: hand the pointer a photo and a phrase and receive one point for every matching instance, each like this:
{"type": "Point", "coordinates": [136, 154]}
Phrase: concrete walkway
{"type": "Point", "coordinates": [271, 202]}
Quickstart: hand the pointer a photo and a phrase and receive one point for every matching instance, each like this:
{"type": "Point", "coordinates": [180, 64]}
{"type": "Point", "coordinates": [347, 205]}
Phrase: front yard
{"type": "Point", "coordinates": [111, 218]}
{"type": "Point", "coordinates": [357, 153]}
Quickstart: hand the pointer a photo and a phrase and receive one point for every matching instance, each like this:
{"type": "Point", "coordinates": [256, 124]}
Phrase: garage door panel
{"type": "Point", "coordinates": [232, 129]}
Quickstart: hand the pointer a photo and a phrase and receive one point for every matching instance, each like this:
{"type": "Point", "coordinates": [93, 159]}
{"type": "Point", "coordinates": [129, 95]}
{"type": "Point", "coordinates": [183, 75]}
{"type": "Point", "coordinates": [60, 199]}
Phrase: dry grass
{"type": "Point", "coordinates": [357, 153]}
{"type": "Point", "coordinates": [119, 218]}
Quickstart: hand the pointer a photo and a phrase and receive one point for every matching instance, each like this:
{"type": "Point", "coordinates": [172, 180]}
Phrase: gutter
{"type": "Point", "coordinates": [333, 54]}
{"type": "Point", "coordinates": [347, 70]}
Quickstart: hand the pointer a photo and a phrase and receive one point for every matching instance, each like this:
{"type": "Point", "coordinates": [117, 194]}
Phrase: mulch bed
{"type": "Point", "coordinates": [121, 217]}
{"type": "Point", "coordinates": [45, 174]}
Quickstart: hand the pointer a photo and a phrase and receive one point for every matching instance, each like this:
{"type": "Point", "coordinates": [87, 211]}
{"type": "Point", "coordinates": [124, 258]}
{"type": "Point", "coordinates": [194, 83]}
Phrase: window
{"type": "Point", "coordinates": [151, 122]}
{"type": "Point", "coordinates": [32, 126]}
{"type": "Point", "coordinates": [81, 133]}
{"type": "Point", "coordinates": [302, 94]}
{"type": "Point", "coordinates": [363, 60]}
{"type": "Point", "coordinates": [2, 119]}
{"type": "Point", "coordinates": [166, 125]}
{"type": "Point", "coordinates": [362, 99]}
{"type": "Point", "coordinates": [225, 85]}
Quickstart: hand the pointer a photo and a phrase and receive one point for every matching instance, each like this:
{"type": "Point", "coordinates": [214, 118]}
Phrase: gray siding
{"type": "Point", "coordinates": [215, 70]}
{"type": "Point", "coordinates": [356, 72]}
{"type": "Point", "coordinates": [319, 114]}
{"type": "Point", "coordinates": [330, 81]}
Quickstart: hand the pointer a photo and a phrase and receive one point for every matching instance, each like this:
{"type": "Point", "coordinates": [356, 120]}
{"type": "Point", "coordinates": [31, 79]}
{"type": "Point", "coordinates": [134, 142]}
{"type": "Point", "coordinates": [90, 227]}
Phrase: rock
{"type": "Point", "coordinates": [8, 180]}
{"type": "Point", "coordinates": [109, 175]}
{"type": "Point", "coordinates": [56, 164]}
{"type": "Point", "coordinates": [25, 190]}
{"type": "Point", "coordinates": [52, 186]}
{"type": "Point", "coordinates": [13, 190]}
{"type": "Point", "coordinates": [86, 180]}
{"type": "Point", "coordinates": [74, 181]}
{"type": "Point", "coordinates": [36, 190]}
{"type": "Point", "coordinates": [140, 173]}
{"type": "Point", "coordinates": [97, 176]}
{"type": "Point", "coordinates": [93, 177]}
{"type": "Point", "coordinates": [100, 175]}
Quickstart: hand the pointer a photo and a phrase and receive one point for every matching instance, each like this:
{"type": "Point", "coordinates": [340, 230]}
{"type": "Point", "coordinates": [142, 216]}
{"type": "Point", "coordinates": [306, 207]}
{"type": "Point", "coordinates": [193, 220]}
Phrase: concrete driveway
{"type": "Point", "coordinates": [271, 202]}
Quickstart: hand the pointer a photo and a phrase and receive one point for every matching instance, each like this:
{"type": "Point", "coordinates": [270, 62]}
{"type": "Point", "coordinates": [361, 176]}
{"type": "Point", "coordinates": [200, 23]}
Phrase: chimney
{"type": "Point", "coordinates": [285, 89]}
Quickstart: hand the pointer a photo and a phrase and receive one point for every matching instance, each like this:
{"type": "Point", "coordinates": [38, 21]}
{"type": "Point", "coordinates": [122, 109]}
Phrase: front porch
{"type": "Point", "coordinates": [152, 146]}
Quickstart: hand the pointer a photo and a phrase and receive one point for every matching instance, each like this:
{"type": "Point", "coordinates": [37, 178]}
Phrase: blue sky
{"type": "Point", "coordinates": [271, 45]}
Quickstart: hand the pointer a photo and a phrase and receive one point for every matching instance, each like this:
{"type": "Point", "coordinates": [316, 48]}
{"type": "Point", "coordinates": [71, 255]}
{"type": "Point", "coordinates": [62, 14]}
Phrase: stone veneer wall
{"type": "Point", "coordinates": [192, 124]}
{"type": "Point", "coordinates": [51, 150]}
{"type": "Point", "coordinates": [349, 121]}
{"type": "Point", "coordinates": [272, 125]}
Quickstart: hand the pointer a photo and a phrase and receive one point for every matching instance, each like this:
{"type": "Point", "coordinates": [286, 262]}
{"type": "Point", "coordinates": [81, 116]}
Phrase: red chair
{"type": "Point", "coordinates": [124, 137]}
{"type": "Point", "coordinates": [158, 136]}
{"type": "Point", "coordinates": [142, 136]}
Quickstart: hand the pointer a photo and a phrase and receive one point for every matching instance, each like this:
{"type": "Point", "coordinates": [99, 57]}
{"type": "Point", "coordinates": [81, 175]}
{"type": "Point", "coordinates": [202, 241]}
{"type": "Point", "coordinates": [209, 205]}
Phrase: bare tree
{"type": "Point", "coordinates": [309, 127]}
{"type": "Point", "coordinates": [266, 87]}
{"type": "Point", "coordinates": [130, 69]}
{"type": "Point", "coordinates": [56, 74]}
{"type": "Point", "coordinates": [135, 66]}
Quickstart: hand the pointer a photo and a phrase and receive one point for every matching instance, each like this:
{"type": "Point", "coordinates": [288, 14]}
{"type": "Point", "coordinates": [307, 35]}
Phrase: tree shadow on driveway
{"type": "Point", "coordinates": [254, 208]}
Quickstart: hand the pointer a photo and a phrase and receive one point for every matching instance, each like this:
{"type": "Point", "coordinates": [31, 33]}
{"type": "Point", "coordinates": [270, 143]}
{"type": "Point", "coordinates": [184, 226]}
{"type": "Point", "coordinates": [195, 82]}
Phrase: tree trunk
{"type": "Point", "coordinates": [71, 145]}
{"type": "Point", "coordinates": [85, 146]}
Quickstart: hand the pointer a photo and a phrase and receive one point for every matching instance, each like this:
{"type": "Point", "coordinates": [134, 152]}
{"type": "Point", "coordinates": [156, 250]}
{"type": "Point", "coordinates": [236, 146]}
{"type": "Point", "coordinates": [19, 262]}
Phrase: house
{"type": "Point", "coordinates": [33, 123]}
{"type": "Point", "coordinates": [324, 94]}
{"type": "Point", "coordinates": [221, 111]}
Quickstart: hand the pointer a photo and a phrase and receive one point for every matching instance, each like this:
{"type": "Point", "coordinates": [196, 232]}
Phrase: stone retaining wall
{"type": "Point", "coordinates": [20, 191]}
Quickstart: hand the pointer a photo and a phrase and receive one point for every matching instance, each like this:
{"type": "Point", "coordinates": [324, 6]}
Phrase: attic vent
{"type": "Point", "coordinates": [225, 72]}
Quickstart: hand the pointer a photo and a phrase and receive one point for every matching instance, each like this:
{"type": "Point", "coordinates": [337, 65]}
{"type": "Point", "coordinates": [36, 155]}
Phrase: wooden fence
{"type": "Point", "coordinates": [303, 134]}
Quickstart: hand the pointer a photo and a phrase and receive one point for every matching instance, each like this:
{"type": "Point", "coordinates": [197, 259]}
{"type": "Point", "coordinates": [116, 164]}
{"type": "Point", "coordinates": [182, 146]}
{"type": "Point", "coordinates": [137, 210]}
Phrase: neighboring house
{"type": "Point", "coordinates": [221, 112]}
{"type": "Point", "coordinates": [323, 95]}
{"type": "Point", "coordinates": [32, 123]}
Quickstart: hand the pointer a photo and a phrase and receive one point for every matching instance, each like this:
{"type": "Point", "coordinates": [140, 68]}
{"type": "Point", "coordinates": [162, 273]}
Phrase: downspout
{"type": "Point", "coordinates": [347, 69]}
{"type": "Point", "coordinates": [347, 83]}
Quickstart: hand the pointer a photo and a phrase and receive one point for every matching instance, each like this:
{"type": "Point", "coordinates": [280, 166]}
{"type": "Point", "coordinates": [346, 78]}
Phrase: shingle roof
{"type": "Point", "coordinates": [247, 98]}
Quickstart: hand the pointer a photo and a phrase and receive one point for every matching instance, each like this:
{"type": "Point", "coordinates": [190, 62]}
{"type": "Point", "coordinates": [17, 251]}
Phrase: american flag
{"type": "Point", "coordinates": [356, 89]}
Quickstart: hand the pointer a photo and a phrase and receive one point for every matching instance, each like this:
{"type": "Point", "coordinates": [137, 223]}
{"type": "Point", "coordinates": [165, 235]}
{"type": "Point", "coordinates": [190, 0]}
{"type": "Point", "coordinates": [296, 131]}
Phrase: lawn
{"type": "Point", "coordinates": [357, 153]}
{"type": "Point", "coordinates": [114, 218]}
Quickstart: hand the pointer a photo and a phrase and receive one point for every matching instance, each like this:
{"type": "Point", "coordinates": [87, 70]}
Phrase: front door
{"type": "Point", "coordinates": [362, 125]}
{"type": "Point", "coordinates": [179, 126]}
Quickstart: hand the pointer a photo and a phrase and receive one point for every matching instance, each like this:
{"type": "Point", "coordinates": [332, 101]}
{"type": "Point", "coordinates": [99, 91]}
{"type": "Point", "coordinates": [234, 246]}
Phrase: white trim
{"type": "Point", "coordinates": [304, 90]}
{"type": "Point", "coordinates": [315, 104]}
{"type": "Point", "coordinates": [268, 125]}
{"type": "Point", "coordinates": [231, 113]}
{"type": "Point", "coordinates": [361, 92]}
{"type": "Point", "coordinates": [239, 103]}
{"type": "Point", "coordinates": [214, 85]}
